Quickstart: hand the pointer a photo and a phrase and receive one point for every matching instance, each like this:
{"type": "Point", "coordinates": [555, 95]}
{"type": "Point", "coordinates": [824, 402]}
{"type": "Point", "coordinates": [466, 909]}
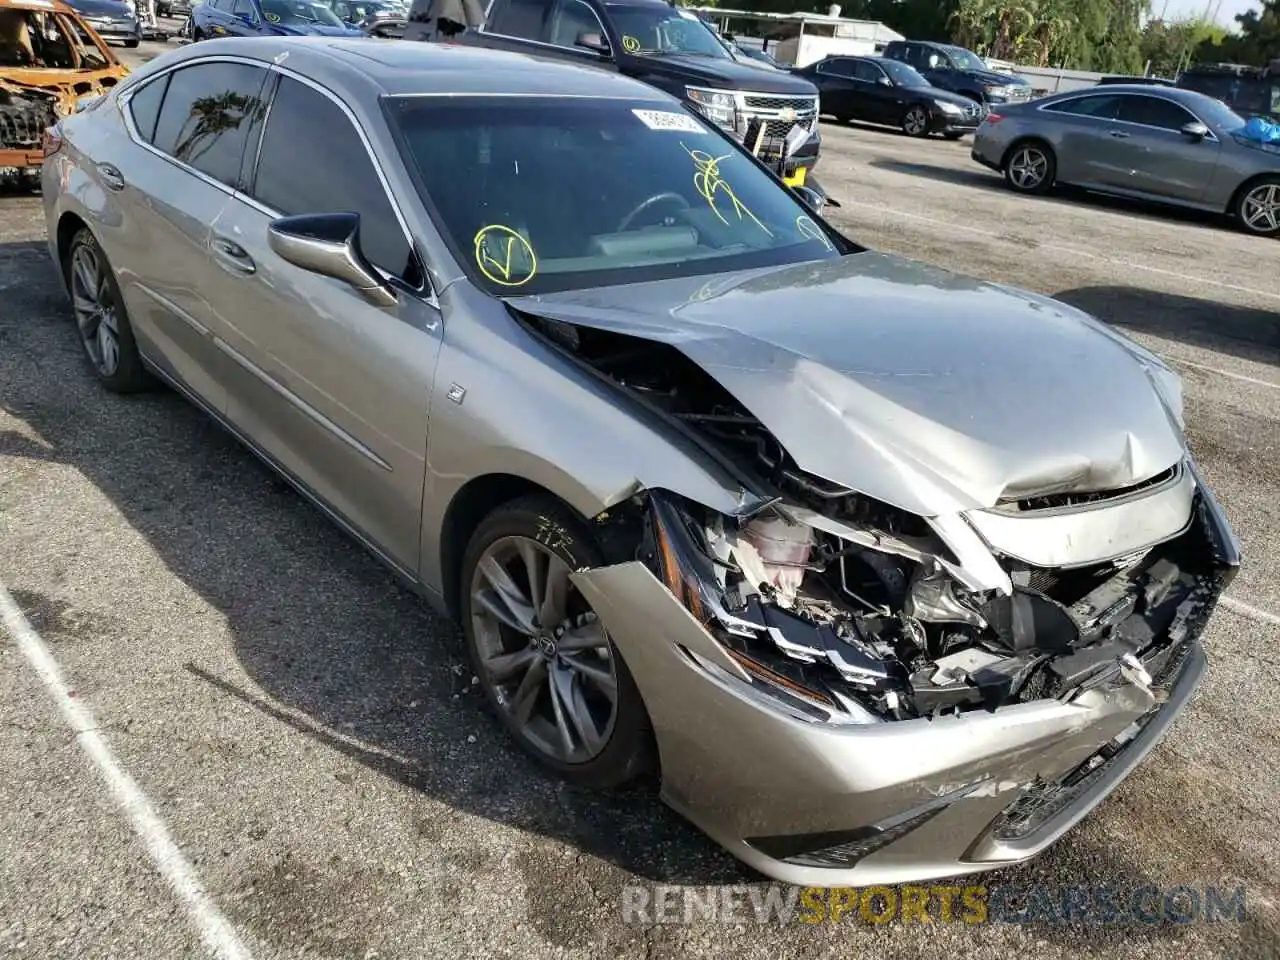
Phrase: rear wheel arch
{"type": "Point", "coordinates": [1024, 141]}
{"type": "Point", "coordinates": [69, 224]}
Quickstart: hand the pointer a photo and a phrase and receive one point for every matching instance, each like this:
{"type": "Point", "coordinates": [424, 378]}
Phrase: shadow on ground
{"type": "Point", "coordinates": [1224, 328]}
{"type": "Point", "coordinates": [343, 655]}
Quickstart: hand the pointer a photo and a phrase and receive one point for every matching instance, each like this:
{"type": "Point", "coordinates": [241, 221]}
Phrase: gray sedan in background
{"type": "Point", "coordinates": [889, 573]}
{"type": "Point", "coordinates": [1167, 145]}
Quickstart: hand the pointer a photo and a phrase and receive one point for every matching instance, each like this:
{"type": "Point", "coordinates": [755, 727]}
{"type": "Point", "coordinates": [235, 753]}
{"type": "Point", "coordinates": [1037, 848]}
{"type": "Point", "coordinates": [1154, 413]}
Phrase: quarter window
{"type": "Point", "coordinates": [312, 160]}
{"type": "Point", "coordinates": [1101, 107]}
{"type": "Point", "coordinates": [1154, 112]}
{"type": "Point", "coordinates": [207, 114]}
{"type": "Point", "coordinates": [144, 106]}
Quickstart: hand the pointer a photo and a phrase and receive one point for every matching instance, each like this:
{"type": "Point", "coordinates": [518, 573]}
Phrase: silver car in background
{"type": "Point", "coordinates": [890, 573]}
{"type": "Point", "coordinates": [1149, 143]}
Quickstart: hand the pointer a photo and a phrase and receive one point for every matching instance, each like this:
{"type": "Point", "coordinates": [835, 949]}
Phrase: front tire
{"type": "Point", "coordinates": [1257, 208]}
{"type": "Point", "coordinates": [546, 663]}
{"type": "Point", "coordinates": [1030, 168]}
{"type": "Point", "coordinates": [132, 43]}
{"type": "Point", "coordinates": [915, 121]}
{"type": "Point", "coordinates": [101, 318]}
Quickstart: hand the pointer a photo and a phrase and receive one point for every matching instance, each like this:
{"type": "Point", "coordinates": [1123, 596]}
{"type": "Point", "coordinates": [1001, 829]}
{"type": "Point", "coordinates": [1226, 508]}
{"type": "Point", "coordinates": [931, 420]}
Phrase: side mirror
{"type": "Point", "coordinates": [1195, 130]}
{"type": "Point", "coordinates": [593, 41]}
{"type": "Point", "coordinates": [329, 244]}
{"type": "Point", "coordinates": [810, 197]}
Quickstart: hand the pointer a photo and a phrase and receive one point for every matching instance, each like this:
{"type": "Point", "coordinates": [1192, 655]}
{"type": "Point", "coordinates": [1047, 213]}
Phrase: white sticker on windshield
{"type": "Point", "coordinates": [669, 120]}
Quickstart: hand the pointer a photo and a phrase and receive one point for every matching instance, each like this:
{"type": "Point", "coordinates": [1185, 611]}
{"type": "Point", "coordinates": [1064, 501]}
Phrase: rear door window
{"type": "Point", "coordinates": [837, 67]}
{"type": "Point", "coordinates": [1099, 107]}
{"type": "Point", "coordinates": [207, 114]}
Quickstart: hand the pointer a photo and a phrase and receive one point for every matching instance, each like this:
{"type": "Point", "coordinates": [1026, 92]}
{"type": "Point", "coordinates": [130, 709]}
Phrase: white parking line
{"type": "Point", "coordinates": [1220, 372]}
{"type": "Point", "coordinates": [216, 932]}
{"type": "Point", "coordinates": [1059, 248]}
{"type": "Point", "coordinates": [1250, 611]}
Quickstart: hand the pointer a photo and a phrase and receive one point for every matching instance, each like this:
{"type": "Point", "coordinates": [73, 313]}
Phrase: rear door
{"type": "Point", "coordinates": [330, 386]}
{"type": "Point", "coordinates": [191, 126]}
{"type": "Point", "coordinates": [1162, 160]}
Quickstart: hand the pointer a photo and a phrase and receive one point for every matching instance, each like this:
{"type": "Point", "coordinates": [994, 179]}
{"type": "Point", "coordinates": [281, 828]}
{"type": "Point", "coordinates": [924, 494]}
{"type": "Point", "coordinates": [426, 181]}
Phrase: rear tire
{"type": "Point", "coordinates": [952, 135]}
{"type": "Point", "coordinates": [1030, 167]}
{"type": "Point", "coordinates": [101, 318]}
{"type": "Point", "coordinates": [131, 44]}
{"type": "Point", "coordinates": [513, 558]}
{"type": "Point", "coordinates": [1257, 207]}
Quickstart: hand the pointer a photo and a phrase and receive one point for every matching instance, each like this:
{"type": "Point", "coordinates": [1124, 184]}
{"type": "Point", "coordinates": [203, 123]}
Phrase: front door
{"type": "Point", "coordinates": [334, 388]}
{"type": "Point", "coordinates": [1162, 160]}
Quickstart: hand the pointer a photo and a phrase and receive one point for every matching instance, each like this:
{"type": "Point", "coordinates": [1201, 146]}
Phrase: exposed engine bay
{"type": "Point", "coordinates": [850, 610]}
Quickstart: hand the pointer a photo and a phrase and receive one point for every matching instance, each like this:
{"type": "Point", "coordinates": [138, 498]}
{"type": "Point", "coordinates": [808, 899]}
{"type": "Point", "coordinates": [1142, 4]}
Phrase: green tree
{"type": "Point", "coordinates": [1169, 46]}
{"type": "Point", "coordinates": [1257, 43]}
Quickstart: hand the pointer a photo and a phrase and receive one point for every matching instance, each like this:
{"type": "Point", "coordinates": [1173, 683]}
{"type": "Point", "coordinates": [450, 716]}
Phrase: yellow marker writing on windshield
{"type": "Point", "coordinates": [630, 44]}
{"type": "Point", "coordinates": [808, 228]}
{"type": "Point", "coordinates": [711, 184]}
{"type": "Point", "coordinates": [504, 256]}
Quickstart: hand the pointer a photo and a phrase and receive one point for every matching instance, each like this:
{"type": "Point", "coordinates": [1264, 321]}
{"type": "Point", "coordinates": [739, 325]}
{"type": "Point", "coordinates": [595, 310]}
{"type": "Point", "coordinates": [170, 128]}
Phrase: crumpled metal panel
{"type": "Point", "coordinates": [929, 391]}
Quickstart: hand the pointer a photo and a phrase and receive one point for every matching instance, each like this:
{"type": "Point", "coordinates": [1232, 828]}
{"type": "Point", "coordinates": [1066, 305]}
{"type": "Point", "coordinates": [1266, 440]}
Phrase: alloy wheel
{"type": "Point", "coordinates": [1028, 168]}
{"type": "Point", "coordinates": [544, 653]}
{"type": "Point", "coordinates": [1260, 208]}
{"type": "Point", "coordinates": [95, 310]}
{"type": "Point", "coordinates": [916, 122]}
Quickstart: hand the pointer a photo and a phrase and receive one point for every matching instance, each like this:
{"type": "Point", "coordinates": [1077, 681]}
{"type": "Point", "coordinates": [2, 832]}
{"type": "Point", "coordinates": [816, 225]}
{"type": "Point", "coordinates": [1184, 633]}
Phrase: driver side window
{"type": "Point", "coordinates": [312, 160]}
{"type": "Point", "coordinates": [571, 19]}
{"type": "Point", "coordinates": [244, 9]}
{"type": "Point", "coordinates": [867, 72]}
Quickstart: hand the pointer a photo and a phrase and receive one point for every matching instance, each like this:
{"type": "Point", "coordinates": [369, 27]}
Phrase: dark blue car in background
{"type": "Point", "coordinates": [266, 18]}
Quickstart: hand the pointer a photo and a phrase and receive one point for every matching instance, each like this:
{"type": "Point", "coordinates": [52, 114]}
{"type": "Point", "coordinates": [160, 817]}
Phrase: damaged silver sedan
{"type": "Point", "coordinates": [888, 573]}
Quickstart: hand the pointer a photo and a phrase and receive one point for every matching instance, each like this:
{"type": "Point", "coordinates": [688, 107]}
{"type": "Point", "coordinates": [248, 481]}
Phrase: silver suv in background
{"type": "Point", "coordinates": [1168, 145]}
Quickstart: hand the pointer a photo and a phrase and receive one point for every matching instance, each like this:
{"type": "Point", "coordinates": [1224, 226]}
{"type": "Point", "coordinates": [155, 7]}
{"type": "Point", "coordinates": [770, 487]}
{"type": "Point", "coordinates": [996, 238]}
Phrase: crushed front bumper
{"type": "Point", "coordinates": [885, 802]}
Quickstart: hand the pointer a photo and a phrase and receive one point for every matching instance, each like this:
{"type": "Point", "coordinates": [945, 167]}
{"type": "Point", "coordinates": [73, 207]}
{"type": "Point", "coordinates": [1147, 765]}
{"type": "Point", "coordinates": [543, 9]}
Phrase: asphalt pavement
{"type": "Point", "coordinates": [310, 740]}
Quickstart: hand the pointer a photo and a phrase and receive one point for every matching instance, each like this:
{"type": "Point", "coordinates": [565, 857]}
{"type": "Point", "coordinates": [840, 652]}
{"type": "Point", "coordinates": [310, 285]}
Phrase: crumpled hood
{"type": "Point", "coordinates": [924, 389]}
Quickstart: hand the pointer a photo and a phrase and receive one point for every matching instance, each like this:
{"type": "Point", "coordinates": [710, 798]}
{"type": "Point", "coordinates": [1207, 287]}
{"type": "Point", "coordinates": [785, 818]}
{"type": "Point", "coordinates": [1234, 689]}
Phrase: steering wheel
{"type": "Point", "coordinates": [665, 196]}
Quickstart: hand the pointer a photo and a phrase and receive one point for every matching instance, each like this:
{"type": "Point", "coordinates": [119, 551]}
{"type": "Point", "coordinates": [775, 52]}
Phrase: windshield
{"type": "Point", "coordinates": [536, 195]}
{"type": "Point", "coordinates": [903, 75]}
{"type": "Point", "coordinates": [655, 31]}
{"type": "Point", "coordinates": [1218, 115]}
{"type": "Point", "coordinates": [299, 12]}
{"type": "Point", "coordinates": [966, 59]}
{"type": "Point", "coordinates": [33, 38]}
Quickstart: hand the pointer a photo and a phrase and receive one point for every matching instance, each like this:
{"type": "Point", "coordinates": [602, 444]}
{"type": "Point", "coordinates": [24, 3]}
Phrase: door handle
{"type": "Point", "coordinates": [1119, 134]}
{"type": "Point", "coordinates": [110, 176]}
{"type": "Point", "coordinates": [232, 254]}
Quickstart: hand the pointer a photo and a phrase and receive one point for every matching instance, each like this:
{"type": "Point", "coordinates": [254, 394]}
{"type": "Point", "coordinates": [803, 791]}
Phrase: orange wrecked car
{"type": "Point", "coordinates": [49, 60]}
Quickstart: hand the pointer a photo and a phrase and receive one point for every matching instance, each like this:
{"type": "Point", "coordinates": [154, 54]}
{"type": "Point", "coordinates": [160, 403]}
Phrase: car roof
{"type": "Point", "coordinates": [402, 67]}
{"type": "Point", "coordinates": [1176, 94]}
